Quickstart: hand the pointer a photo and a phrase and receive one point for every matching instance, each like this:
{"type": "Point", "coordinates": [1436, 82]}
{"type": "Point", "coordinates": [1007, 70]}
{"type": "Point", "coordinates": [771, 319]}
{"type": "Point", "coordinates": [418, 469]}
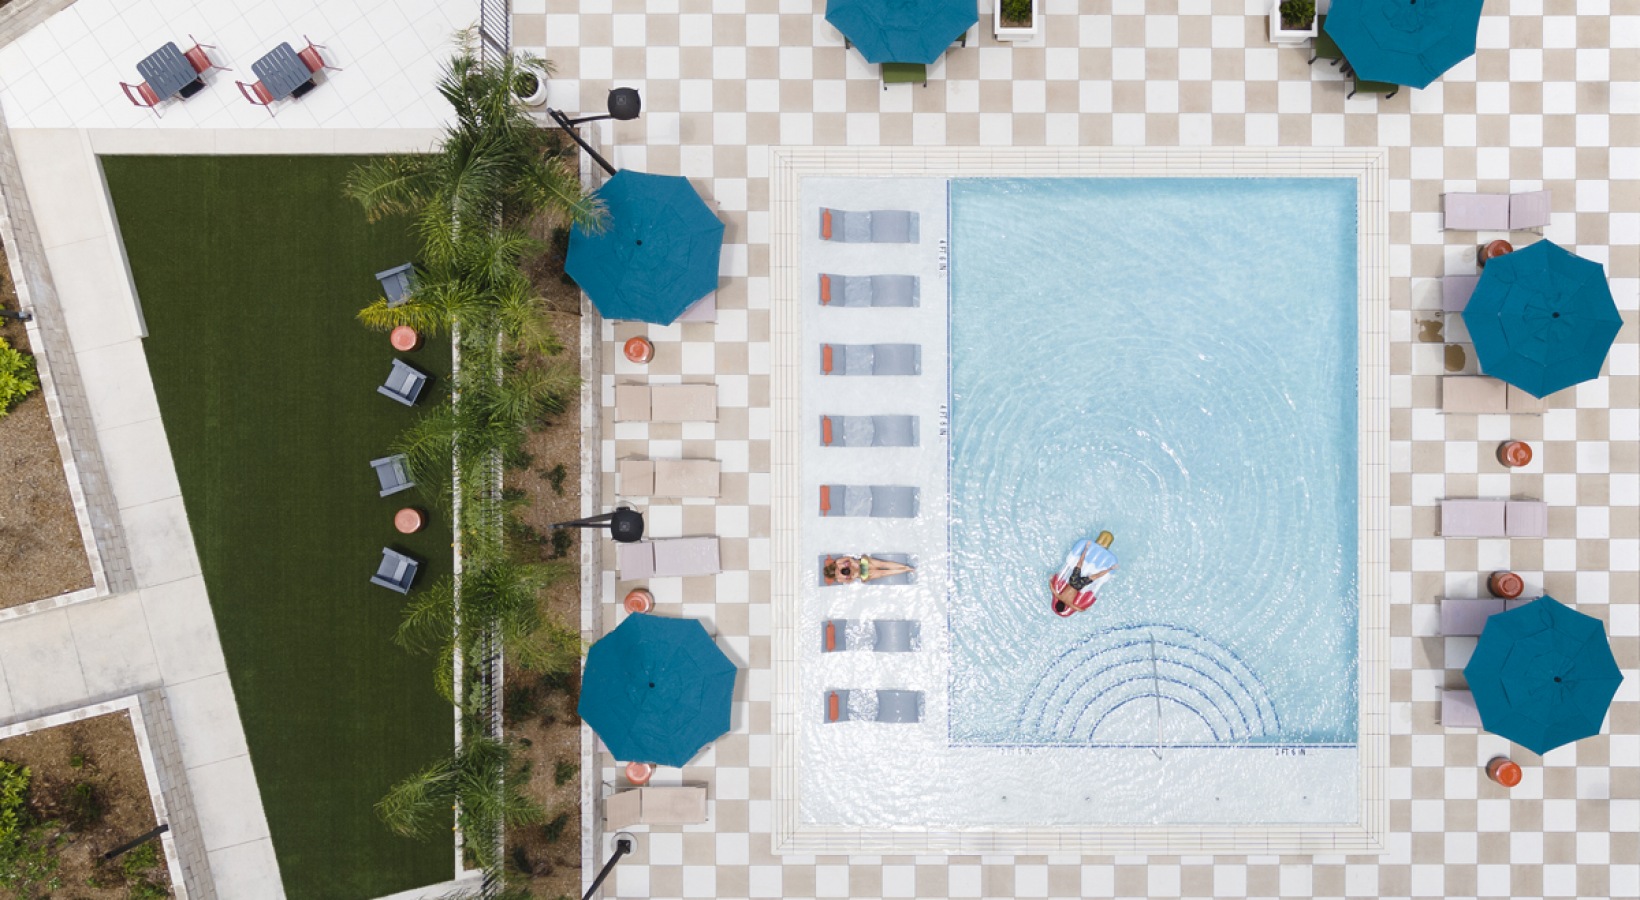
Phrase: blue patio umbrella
{"type": "Point", "coordinates": [902, 31]}
{"type": "Point", "coordinates": [657, 254]}
{"type": "Point", "coordinates": [657, 690]}
{"type": "Point", "coordinates": [1542, 318]}
{"type": "Point", "coordinates": [1410, 42]}
{"type": "Point", "coordinates": [1543, 675]}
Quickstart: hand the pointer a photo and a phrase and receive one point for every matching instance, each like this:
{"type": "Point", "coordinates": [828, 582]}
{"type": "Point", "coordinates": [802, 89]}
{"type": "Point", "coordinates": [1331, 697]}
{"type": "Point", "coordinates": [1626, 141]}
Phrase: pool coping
{"type": "Point", "coordinates": [788, 166]}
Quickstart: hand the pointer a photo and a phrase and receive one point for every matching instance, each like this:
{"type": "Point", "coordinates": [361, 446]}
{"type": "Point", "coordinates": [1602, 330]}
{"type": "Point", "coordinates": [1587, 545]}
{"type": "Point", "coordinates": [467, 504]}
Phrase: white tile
{"type": "Point", "coordinates": [42, 663]}
{"type": "Point", "coordinates": [182, 630]}
{"type": "Point", "coordinates": [115, 654]}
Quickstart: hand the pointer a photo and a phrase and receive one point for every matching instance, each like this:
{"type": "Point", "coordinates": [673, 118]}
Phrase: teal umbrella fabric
{"type": "Point", "coordinates": [657, 254]}
{"type": "Point", "coordinates": [657, 690]}
{"type": "Point", "coordinates": [902, 31]}
{"type": "Point", "coordinates": [1410, 42]}
{"type": "Point", "coordinates": [1542, 318]}
{"type": "Point", "coordinates": [1543, 675]}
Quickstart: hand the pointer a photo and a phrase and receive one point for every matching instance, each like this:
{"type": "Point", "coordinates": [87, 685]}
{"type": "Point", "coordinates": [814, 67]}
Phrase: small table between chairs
{"type": "Point", "coordinates": [283, 73]}
{"type": "Point", "coordinates": [168, 72]}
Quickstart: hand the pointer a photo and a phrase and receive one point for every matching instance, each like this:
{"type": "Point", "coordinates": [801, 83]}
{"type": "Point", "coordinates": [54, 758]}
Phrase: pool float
{"type": "Point", "coordinates": [1093, 556]}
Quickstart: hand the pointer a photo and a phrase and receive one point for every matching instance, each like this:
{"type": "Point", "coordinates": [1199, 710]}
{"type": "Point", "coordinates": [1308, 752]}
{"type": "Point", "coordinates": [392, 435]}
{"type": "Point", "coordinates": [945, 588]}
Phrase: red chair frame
{"type": "Point", "coordinates": [200, 60]}
{"type": "Point", "coordinates": [257, 95]}
{"type": "Point", "coordinates": [141, 95]}
{"type": "Point", "coordinates": [312, 58]}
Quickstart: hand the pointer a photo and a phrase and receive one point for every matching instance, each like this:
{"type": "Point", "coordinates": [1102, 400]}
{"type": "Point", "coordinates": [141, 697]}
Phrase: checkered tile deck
{"type": "Point", "coordinates": [1551, 99]}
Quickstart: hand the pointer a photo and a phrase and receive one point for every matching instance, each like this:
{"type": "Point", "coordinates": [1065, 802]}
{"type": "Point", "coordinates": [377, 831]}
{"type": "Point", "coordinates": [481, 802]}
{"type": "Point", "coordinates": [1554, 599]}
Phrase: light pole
{"type": "Point", "coordinates": [624, 105]}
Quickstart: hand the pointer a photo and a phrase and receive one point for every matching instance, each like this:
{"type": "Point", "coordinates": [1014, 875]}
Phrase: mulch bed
{"type": "Point", "coordinates": [41, 551]}
{"type": "Point", "coordinates": [87, 777]}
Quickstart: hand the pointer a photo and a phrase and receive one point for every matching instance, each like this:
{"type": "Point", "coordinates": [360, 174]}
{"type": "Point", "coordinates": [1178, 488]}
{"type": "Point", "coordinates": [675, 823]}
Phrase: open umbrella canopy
{"type": "Point", "coordinates": [657, 690]}
{"type": "Point", "coordinates": [1410, 42]}
{"type": "Point", "coordinates": [902, 31]}
{"type": "Point", "coordinates": [1542, 318]}
{"type": "Point", "coordinates": [1543, 675]}
{"type": "Point", "coordinates": [658, 253]}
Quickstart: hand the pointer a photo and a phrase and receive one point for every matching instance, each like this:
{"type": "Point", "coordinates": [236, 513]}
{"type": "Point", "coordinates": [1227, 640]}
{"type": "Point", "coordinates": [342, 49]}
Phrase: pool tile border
{"type": "Point", "coordinates": [787, 166]}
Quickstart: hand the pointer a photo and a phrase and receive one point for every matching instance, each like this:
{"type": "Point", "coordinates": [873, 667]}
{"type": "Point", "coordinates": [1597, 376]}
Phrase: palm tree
{"type": "Point", "coordinates": [414, 806]}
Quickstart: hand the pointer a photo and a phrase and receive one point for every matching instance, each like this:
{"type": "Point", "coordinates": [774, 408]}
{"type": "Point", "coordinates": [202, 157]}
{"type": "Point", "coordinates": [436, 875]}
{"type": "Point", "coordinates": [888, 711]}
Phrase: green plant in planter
{"type": "Point", "coordinates": [1016, 13]}
{"type": "Point", "coordinates": [17, 377]}
{"type": "Point", "coordinates": [1297, 14]}
{"type": "Point", "coordinates": [524, 84]}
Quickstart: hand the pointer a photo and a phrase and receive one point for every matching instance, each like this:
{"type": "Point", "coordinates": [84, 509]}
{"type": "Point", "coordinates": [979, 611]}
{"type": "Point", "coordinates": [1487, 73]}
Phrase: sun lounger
{"type": "Point", "coordinates": [652, 805]}
{"type": "Point", "coordinates": [1479, 394]}
{"type": "Point", "coordinates": [1455, 292]}
{"type": "Point", "coordinates": [1496, 212]}
{"type": "Point", "coordinates": [666, 403]}
{"type": "Point", "coordinates": [878, 635]}
{"type": "Point", "coordinates": [881, 226]}
{"type": "Point", "coordinates": [1458, 710]}
{"type": "Point", "coordinates": [1494, 518]}
{"type": "Point", "coordinates": [868, 431]}
{"type": "Point", "coordinates": [1466, 617]}
{"type": "Point", "coordinates": [391, 474]}
{"type": "Point", "coordinates": [869, 290]}
{"type": "Point", "coordinates": [873, 706]}
{"type": "Point", "coordinates": [666, 558]}
{"type": "Point", "coordinates": [670, 477]}
{"type": "Point", "coordinates": [870, 359]}
{"type": "Point", "coordinates": [877, 501]}
{"type": "Point", "coordinates": [901, 558]}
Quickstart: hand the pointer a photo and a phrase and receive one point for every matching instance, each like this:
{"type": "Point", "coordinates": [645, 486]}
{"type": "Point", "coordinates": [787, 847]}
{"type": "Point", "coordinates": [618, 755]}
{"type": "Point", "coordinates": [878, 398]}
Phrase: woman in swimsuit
{"type": "Point", "coordinates": [845, 569]}
{"type": "Point", "coordinates": [1078, 581]}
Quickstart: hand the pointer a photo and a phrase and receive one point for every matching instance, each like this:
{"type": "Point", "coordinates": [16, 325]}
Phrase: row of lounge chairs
{"type": "Point", "coordinates": [1469, 211]}
{"type": "Point", "coordinates": [1494, 518]}
{"type": "Point", "coordinates": [668, 478]}
{"type": "Point", "coordinates": [1480, 395]}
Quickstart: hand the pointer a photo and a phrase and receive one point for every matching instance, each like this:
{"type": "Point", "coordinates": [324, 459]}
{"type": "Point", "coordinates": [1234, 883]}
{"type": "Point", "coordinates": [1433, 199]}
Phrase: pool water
{"type": "Point", "coordinates": [1174, 361]}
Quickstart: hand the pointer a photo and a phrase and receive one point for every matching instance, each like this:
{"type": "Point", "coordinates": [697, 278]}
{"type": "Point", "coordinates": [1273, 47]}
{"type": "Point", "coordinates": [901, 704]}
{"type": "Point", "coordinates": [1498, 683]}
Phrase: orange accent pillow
{"type": "Point", "coordinates": [825, 430]}
{"type": "Point", "coordinates": [825, 224]}
{"type": "Point", "coordinates": [831, 637]}
{"type": "Point", "coordinates": [832, 711]}
{"type": "Point", "coordinates": [825, 289]}
{"type": "Point", "coordinates": [825, 499]}
{"type": "Point", "coordinates": [825, 358]}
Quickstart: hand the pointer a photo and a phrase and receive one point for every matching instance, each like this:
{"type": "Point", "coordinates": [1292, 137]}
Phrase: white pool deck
{"type": "Point", "coordinates": [1550, 101]}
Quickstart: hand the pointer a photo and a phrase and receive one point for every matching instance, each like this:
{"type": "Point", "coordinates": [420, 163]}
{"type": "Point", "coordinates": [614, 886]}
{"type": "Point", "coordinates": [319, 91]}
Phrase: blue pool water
{"type": "Point", "coordinates": [1172, 360]}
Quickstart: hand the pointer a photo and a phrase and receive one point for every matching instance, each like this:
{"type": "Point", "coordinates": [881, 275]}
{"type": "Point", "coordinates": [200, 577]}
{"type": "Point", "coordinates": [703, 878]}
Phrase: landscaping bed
{"type": "Point", "coordinates": [42, 552]}
{"type": "Point", "coordinates": [86, 795]}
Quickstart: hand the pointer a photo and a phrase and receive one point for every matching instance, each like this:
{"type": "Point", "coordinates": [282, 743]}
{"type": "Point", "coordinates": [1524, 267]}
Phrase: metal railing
{"type": "Point", "coordinates": [494, 29]}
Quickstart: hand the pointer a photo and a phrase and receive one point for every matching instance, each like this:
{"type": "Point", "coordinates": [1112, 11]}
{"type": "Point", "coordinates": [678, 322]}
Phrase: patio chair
{"type": "Point", "coordinates": [1480, 394]}
{"type": "Point", "coordinates": [904, 73]}
{"type": "Point", "coordinates": [257, 94]}
{"type": "Point", "coordinates": [200, 60]}
{"type": "Point", "coordinates": [1384, 89]}
{"type": "Point", "coordinates": [141, 95]}
{"type": "Point", "coordinates": [1458, 710]}
{"type": "Point", "coordinates": [1466, 617]}
{"type": "Point", "coordinates": [397, 571]}
{"type": "Point", "coordinates": [1469, 211]}
{"type": "Point", "coordinates": [404, 383]}
{"type": "Point", "coordinates": [869, 290]}
{"type": "Point", "coordinates": [876, 635]}
{"type": "Point", "coordinates": [671, 477]}
{"type": "Point", "coordinates": [392, 474]}
{"type": "Point", "coordinates": [311, 57]}
{"type": "Point", "coordinates": [881, 226]}
{"type": "Point", "coordinates": [671, 557]}
{"type": "Point", "coordinates": [868, 431]}
{"type": "Point", "coordinates": [877, 501]}
{"type": "Point", "coordinates": [1456, 291]}
{"type": "Point", "coordinates": [397, 283]}
{"type": "Point", "coordinates": [655, 805]}
{"type": "Point", "coordinates": [894, 706]}
{"type": "Point", "coordinates": [1325, 47]}
{"type": "Point", "coordinates": [1494, 518]}
{"type": "Point", "coordinates": [666, 403]}
{"type": "Point", "coordinates": [901, 579]}
{"type": "Point", "coordinates": [870, 359]}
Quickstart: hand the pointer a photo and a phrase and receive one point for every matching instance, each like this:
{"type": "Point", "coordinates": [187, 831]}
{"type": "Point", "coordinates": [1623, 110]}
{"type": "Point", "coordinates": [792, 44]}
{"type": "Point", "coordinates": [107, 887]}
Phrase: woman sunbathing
{"type": "Point", "coordinates": [845, 569]}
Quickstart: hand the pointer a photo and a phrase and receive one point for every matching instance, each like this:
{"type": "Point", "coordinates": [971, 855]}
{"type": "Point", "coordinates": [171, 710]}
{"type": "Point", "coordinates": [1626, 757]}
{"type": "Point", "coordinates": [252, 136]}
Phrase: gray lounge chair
{"type": "Point", "coordinates": [905, 559]}
{"type": "Point", "coordinates": [887, 291]}
{"type": "Point", "coordinates": [1456, 290]}
{"type": "Point", "coordinates": [895, 706]}
{"type": "Point", "coordinates": [877, 501]}
{"type": "Point", "coordinates": [868, 431]}
{"type": "Point", "coordinates": [397, 283]}
{"type": "Point", "coordinates": [404, 383]}
{"type": "Point", "coordinates": [397, 571]}
{"type": "Point", "coordinates": [1466, 617]}
{"type": "Point", "coordinates": [1458, 710]}
{"type": "Point", "coordinates": [392, 474]}
{"type": "Point", "coordinates": [878, 635]}
{"type": "Point", "coordinates": [870, 359]}
{"type": "Point", "coordinates": [1466, 211]}
{"type": "Point", "coordinates": [878, 226]}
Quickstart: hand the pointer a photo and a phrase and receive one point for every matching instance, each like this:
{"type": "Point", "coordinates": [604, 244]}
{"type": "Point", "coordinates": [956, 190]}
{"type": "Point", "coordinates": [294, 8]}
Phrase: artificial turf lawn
{"type": "Point", "coordinates": [250, 271]}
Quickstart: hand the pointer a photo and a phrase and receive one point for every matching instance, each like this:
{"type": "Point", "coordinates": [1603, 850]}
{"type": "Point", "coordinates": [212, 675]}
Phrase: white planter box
{"type": "Point", "coordinates": [1280, 35]}
{"type": "Point", "coordinates": [1011, 33]}
{"type": "Point", "coordinates": [537, 98]}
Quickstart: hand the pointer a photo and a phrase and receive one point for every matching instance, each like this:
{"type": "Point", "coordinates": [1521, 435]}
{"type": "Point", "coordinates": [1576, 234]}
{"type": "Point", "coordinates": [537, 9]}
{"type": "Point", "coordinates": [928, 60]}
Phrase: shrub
{"type": "Point", "coordinates": [1016, 12]}
{"type": "Point", "coordinates": [17, 377]}
{"type": "Point", "coordinates": [140, 860]}
{"type": "Point", "coordinates": [556, 476]}
{"type": "Point", "coordinates": [1297, 13]}
{"type": "Point", "coordinates": [82, 805]}
{"type": "Point", "coordinates": [562, 542]}
{"type": "Point", "coordinates": [14, 780]}
{"type": "Point", "coordinates": [563, 771]}
{"type": "Point", "coordinates": [27, 849]}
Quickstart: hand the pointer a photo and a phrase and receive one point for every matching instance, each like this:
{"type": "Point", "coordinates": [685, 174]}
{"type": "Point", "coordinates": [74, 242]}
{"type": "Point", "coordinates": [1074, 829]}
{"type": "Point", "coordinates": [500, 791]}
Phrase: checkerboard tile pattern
{"type": "Point", "coordinates": [1552, 99]}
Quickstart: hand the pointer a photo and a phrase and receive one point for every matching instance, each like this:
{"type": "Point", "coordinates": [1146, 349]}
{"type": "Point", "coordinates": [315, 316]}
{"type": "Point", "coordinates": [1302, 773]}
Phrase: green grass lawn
{"type": "Point", "coordinates": [250, 271]}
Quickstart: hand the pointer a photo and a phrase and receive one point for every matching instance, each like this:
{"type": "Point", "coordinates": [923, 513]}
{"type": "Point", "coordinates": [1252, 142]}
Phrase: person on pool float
{"type": "Point", "coordinates": [845, 569]}
{"type": "Point", "coordinates": [1065, 597]}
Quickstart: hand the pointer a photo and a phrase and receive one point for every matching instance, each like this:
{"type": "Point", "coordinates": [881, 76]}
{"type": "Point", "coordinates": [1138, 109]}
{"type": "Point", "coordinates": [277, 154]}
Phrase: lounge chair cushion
{"type": "Point", "coordinates": [1526, 518]}
{"type": "Point", "coordinates": [1528, 210]}
{"type": "Point", "coordinates": [666, 403]}
{"type": "Point", "coordinates": [868, 431]}
{"type": "Point", "coordinates": [666, 558]}
{"type": "Point", "coordinates": [901, 291]}
{"type": "Point", "coordinates": [899, 706]}
{"type": "Point", "coordinates": [1467, 211]}
{"type": "Point", "coordinates": [1456, 290]}
{"type": "Point", "coordinates": [1522, 403]}
{"type": "Point", "coordinates": [1472, 518]}
{"type": "Point", "coordinates": [1464, 617]}
{"type": "Point", "coordinates": [879, 635]}
{"type": "Point", "coordinates": [1458, 710]}
{"type": "Point", "coordinates": [881, 501]}
{"type": "Point", "coordinates": [671, 477]}
{"type": "Point", "coordinates": [870, 359]}
{"type": "Point", "coordinates": [883, 226]}
{"type": "Point", "coordinates": [1473, 394]}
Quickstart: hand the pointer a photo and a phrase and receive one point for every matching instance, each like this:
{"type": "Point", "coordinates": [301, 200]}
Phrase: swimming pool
{"type": "Point", "coordinates": [1225, 693]}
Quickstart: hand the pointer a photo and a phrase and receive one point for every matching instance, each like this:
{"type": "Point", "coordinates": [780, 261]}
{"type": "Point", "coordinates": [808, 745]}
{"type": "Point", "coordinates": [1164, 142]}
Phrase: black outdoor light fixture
{"type": "Point", "coordinates": [625, 525]}
{"type": "Point", "coordinates": [19, 315]}
{"type": "Point", "coordinates": [624, 105]}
